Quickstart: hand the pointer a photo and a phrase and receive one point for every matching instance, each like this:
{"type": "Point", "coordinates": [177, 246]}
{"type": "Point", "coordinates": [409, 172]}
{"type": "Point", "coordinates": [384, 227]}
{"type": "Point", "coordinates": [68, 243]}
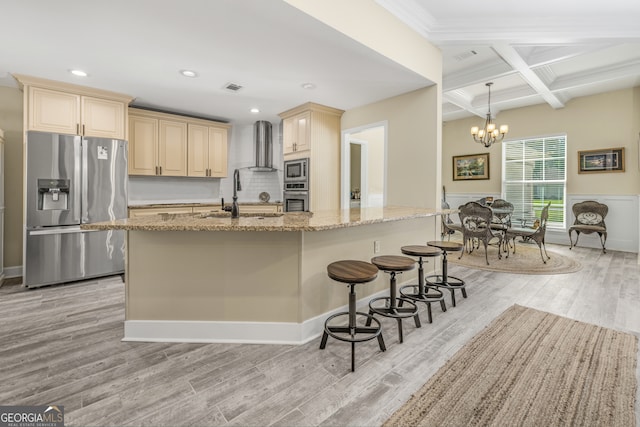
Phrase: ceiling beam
{"type": "Point", "coordinates": [511, 57]}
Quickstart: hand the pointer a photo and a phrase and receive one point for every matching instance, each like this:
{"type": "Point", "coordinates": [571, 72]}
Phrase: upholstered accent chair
{"type": "Point", "coordinates": [534, 234]}
{"type": "Point", "coordinates": [476, 225]}
{"type": "Point", "coordinates": [589, 219]}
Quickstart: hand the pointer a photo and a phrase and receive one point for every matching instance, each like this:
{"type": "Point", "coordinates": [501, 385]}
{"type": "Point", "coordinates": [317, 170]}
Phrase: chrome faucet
{"type": "Point", "coordinates": [235, 212]}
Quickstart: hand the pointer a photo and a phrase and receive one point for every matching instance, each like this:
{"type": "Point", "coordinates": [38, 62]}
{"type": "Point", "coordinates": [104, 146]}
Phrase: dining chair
{"type": "Point", "coordinates": [476, 225]}
{"type": "Point", "coordinates": [534, 234]}
{"type": "Point", "coordinates": [448, 226]}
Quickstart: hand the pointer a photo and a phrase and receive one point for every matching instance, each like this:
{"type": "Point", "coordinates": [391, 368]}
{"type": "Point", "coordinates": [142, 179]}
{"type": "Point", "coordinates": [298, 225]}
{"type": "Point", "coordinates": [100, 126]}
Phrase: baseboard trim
{"type": "Point", "coordinates": [10, 272]}
{"type": "Point", "coordinates": [233, 332]}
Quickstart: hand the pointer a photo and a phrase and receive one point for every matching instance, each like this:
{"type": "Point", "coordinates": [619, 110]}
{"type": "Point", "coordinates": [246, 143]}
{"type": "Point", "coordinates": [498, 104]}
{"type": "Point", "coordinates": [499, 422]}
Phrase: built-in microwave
{"type": "Point", "coordinates": [296, 170]}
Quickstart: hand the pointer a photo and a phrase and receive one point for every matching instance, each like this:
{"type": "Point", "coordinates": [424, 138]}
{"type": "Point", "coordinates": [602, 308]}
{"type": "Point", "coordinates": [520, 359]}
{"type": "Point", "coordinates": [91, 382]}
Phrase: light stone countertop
{"type": "Point", "coordinates": [195, 204]}
{"type": "Point", "coordinates": [293, 221]}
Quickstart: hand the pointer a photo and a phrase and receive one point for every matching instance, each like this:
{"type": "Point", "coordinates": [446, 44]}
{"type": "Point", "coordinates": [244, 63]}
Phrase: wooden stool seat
{"type": "Point", "coordinates": [422, 292]}
{"type": "Point", "coordinates": [421, 251]}
{"type": "Point", "coordinates": [392, 305]}
{"type": "Point", "coordinates": [444, 280]}
{"type": "Point", "coordinates": [446, 246]}
{"type": "Point", "coordinates": [352, 272]}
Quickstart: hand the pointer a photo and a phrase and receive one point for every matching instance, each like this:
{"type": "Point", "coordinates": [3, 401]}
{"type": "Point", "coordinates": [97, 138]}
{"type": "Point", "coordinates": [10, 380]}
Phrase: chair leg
{"type": "Point", "coordinates": [604, 250]}
{"type": "Point", "coordinates": [323, 342]}
{"type": "Point", "coordinates": [570, 241]}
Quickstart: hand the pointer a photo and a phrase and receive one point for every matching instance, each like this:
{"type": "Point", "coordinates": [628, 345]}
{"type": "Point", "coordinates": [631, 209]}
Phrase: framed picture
{"type": "Point", "coordinates": [605, 160]}
{"type": "Point", "coordinates": [472, 166]}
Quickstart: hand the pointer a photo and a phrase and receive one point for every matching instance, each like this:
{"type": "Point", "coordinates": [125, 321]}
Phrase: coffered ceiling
{"type": "Point", "coordinates": [534, 52]}
{"type": "Point", "coordinates": [543, 51]}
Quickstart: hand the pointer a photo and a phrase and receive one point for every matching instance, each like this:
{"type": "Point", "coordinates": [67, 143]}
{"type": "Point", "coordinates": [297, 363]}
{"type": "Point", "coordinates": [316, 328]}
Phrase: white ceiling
{"type": "Point", "coordinates": [534, 52]}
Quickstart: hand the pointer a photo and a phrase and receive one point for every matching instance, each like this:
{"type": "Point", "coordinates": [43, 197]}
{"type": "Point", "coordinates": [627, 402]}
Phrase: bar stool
{"type": "Point", "coordinates": [394, 264]}
{"type": "Point", "coordinates": [421, 292]}
{"type": "Point", "coordinates": [445, 281]}
{"type": "Point", "coordinates": [352, 273]}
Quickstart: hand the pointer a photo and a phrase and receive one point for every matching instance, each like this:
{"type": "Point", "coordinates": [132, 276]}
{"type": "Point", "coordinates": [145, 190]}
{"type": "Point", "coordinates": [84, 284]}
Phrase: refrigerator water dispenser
{"type": "Point", "coordinates": [53, 194]}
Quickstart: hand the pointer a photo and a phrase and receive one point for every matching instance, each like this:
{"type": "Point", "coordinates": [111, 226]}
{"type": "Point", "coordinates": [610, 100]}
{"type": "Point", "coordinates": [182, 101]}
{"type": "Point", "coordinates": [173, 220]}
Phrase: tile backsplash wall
{"type": "Point", "coordinates": [253, 183]}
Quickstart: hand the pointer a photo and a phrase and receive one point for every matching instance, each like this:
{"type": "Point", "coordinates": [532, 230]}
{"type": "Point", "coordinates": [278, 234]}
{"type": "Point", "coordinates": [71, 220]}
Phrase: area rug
{"type": "Point", "coordinates": [531, 368]}
{"type": "Point", "coordinates": [526, 260]}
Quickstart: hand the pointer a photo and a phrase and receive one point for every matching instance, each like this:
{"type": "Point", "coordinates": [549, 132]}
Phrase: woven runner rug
{"type": "Point", "coordinates": [531, 368]}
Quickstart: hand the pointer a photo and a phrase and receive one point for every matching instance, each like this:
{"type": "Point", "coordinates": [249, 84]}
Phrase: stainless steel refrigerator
{"type": "Point", "coordinates": [73, 180]}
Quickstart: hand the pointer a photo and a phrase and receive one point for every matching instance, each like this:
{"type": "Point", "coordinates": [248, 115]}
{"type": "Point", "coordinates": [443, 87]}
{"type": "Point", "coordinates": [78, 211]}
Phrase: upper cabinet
{"type": "Point", "coordinates": [70, 109]}
{"type": "Point", "coordinates": [207, 149]}
{"type": "Point", "coordinates": [165, 144]}
{"type": "Point", "coordinates": [296, 133]}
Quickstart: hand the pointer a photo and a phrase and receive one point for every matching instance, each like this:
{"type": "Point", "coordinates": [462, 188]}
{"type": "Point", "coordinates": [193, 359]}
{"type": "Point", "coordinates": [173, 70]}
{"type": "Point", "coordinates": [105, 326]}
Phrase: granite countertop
{"type": "Point", "coordinates": [189, 205]}
{"type": "Point", "coordinates": [292, 221]}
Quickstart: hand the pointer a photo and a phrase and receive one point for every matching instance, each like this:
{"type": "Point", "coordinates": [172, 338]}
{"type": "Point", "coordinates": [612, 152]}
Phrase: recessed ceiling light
{"type": "Point", "coordinates": [78, 73]}
{"type": "Point", "coordinates": [255, 110]}
{"type": "Point", "coordinates": [188, 73]}
{"type": "Point", "coordinates": [308, 86]}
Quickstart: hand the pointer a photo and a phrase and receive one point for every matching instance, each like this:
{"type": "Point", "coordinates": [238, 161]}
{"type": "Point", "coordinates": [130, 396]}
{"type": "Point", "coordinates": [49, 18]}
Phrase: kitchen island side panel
{"type": "Point", "coordinates": [320, 294]}
{"type": "Point", "coordinates": [221, 276]}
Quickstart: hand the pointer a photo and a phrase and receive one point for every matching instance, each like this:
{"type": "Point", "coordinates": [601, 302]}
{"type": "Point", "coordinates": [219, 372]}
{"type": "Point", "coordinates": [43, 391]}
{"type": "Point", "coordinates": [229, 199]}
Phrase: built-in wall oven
{"type": "Point", "coordinates": [296, 185]}
{"type": "Point", "coordinates": [296, 201]}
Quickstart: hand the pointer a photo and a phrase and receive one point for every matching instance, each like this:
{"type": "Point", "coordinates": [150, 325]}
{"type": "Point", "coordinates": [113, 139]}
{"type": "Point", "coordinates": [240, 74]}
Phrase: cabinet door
{"type": "Point", "coordinates": [303, 131]}
{"type": "Point", "coordinates": [198, 149]}
{"type": "Point", "coordinates": [172, 148]}
{"type": "Point", "coordinates": [288, 136]}
{"type": "Point", "coordinates": [143, 145]}
{"type": "Point", "coordinates": [218, 152]}
{"type": "Point", "coordinates": [53, 111]}
{"type": "Point", "coordinates": [102, 118]}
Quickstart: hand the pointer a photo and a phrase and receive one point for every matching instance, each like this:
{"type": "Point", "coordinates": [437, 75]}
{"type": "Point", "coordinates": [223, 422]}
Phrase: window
{"type": "Point", "coordinates": [533, 174]}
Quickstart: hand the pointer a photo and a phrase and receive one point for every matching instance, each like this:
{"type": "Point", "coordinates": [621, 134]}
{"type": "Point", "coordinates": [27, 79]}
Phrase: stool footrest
{"type": "Point", "coordinates": [431, 293]}
{"type": "Point", "coordinates": [395, 312]}
{"type": "Point", "coordinates": [450, 282]}
{"type": "Point", "coordinates": [370, 332]}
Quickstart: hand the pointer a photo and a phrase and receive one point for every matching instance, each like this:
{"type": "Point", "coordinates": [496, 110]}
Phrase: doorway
{"type": "Point", "coordinates": [363, 182]}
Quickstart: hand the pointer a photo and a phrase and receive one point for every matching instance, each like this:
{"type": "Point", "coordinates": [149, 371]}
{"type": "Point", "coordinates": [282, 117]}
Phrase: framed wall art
{"type": "Point", "coordinates": [605, 160]}
{"type": "Point", "coordinates": [471, 166]}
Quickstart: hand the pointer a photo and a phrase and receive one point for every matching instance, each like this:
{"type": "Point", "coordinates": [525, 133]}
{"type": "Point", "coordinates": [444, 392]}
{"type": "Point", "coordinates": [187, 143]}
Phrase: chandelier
{"type": "Point", "coordinates": [489, 134]}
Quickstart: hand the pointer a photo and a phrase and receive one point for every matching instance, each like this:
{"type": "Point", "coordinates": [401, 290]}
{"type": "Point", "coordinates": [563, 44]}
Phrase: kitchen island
{"type": "Point", "coordinates": [209, 278]}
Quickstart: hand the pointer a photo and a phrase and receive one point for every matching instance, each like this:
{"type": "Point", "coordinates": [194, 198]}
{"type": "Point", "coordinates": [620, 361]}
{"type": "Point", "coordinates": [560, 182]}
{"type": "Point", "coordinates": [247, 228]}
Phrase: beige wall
{"type": "Point", "coordinates": [606, 120]}
{"type": "Point", "coordinates": [413, 164]}
{"type": "Point", "coordinates": [11, 121]}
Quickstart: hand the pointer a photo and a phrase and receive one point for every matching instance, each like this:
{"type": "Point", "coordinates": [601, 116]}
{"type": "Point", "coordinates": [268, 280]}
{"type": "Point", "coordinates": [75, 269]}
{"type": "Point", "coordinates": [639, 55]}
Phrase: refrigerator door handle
{"type": "Point", "coordinates": [66, 230]}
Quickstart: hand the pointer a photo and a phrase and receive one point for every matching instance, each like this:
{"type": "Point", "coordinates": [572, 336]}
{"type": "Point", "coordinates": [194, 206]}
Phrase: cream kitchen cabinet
{"type": "Point", "coordinates": [207, 148]}
{"type": "Point", "coordinates": [296, 133]}
{"type": "Point", "coordinates": [321, 144]}
{"type": "Point", "coordinates": [63, 108]}
{"type": "Point", "coordinates": [157, 145]}
{"type": "Point", "coordinates": [141, 212]}
{"type": "Point", "coordinates": [164, 144]}
{"type": "Point", "coordinates": [266, 208]}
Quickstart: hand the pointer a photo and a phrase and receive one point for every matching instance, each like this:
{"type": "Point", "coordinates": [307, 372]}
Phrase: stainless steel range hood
{"type": "Point", "coordinates": [262, 135]}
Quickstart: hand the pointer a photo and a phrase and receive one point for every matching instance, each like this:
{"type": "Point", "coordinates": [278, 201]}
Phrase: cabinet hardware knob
{"type": "Point", "coordinates": [77, 128]}
{"type": "Point", "coordinates": [160, 170]}
{"type": "Point", "coordinates": [83, 129]}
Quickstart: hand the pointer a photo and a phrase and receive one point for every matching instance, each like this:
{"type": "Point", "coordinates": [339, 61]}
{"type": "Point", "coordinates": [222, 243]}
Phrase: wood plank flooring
{"type": "Point", "coordinates": [61, 345]}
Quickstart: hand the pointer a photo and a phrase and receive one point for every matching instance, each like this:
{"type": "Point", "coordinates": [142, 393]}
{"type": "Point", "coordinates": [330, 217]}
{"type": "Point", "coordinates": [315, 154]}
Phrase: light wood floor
{"type": "Point", "coordinates": [61, 345]}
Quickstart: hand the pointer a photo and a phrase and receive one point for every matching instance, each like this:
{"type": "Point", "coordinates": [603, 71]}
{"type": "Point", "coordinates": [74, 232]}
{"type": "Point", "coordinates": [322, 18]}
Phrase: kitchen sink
{"type": "Point", "coordinates": [225, 214]}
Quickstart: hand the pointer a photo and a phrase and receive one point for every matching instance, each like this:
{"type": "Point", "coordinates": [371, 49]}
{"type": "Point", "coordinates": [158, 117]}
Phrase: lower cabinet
{"type": "Point", "coordinates": [140, 212]}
